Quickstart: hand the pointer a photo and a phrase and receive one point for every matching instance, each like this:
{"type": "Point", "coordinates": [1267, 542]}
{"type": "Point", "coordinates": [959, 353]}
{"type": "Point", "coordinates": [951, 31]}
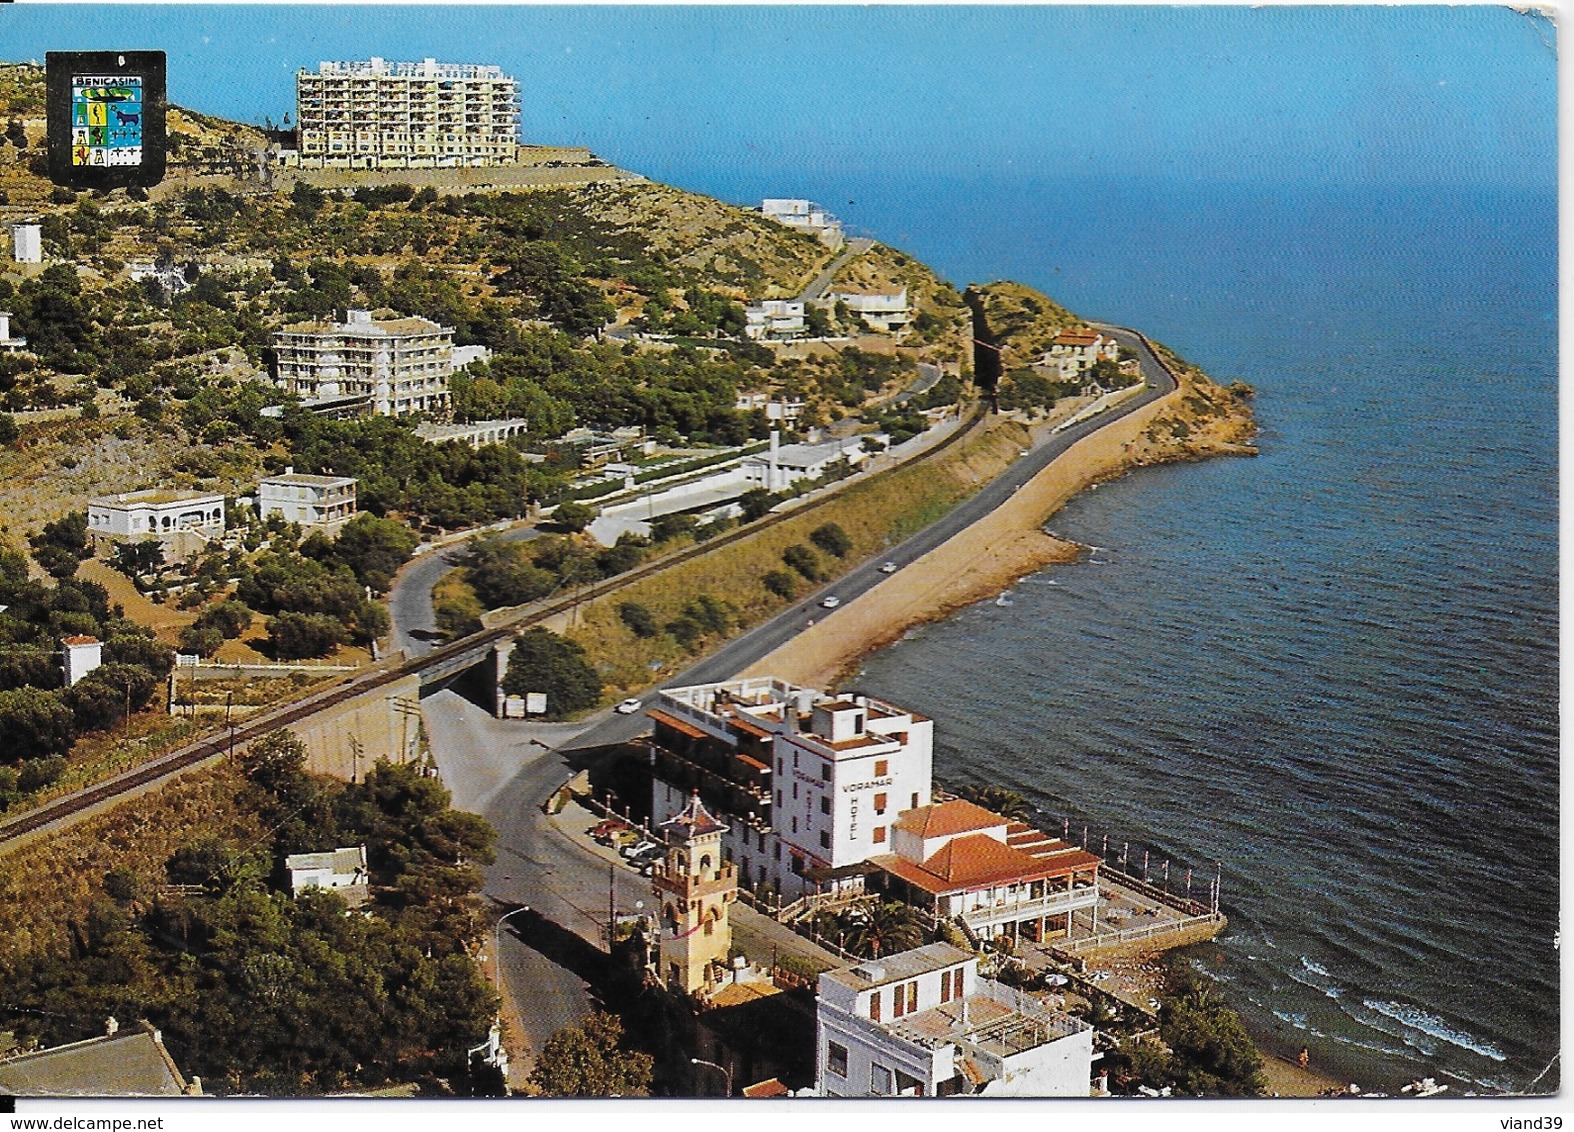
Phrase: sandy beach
{"type": "Point", "coordinates": [988, 556]}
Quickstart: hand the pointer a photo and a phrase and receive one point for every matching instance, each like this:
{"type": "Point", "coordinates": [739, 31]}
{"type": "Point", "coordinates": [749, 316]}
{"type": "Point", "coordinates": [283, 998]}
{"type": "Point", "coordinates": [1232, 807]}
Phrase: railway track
{"type": "Point", "coordinates": [448, 658]}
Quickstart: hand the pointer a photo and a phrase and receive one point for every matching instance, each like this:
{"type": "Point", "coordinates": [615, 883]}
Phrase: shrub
{"type": "Point", "coordinates": [203, 641]}
{"type": "Point", "coordinates": [831, 539]}
{"type": "Point", "coordinates": [638, 619]}
{"type": "Point", "coordinates": [780, 583]}
{"type": "Point", "coordinates": [803, 560]}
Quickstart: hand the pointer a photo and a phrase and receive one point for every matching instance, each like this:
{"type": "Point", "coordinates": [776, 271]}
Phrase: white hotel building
{"type": "Point", "coordinates": [398, 365]}
{"type": "Point", "coordinates": [923, 1023]}
{"type": "Point", "coordinates": [813, 783]}
{"type": "Point", "coordinates": [374, 114]}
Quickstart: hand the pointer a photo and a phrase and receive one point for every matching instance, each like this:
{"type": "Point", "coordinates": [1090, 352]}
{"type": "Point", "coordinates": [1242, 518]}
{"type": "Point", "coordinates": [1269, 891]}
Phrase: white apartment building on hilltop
{"type": "Point", "coordinates": [812, 783]}
{"type": "Point", "coordinates": [401, 365]}
{"type": "Point", "coordinates": [804, 215]}
{"type": "Point", "coordinates": [923, 1023]}
{"type": "Point", "coordinates": [374, 114]}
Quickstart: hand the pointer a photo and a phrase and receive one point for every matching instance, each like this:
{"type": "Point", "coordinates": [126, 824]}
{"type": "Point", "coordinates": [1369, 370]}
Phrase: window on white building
{"type": "Point", "coordinates": [879, 1080]}
{"type": "Point", "coordinates": [836, 1059]}
{"type": "Point", "coordinates": [825, 805]}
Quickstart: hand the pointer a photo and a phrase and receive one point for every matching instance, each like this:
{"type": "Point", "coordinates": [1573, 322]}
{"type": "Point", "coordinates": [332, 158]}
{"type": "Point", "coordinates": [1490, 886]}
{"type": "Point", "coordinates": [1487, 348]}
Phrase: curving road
{"type": "Point", "coordinates": [568, 889]}
{"type": "Point", "coordinates": [766, 638]}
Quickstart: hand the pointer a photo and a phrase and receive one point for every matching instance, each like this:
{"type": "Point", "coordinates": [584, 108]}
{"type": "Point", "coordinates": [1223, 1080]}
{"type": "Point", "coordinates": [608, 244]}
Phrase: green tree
{"type": "Point", "coordinates": [374, 549]}
{"type": "Point", "coordinates": [574, 516]}
{"type": "Point", "coordinates": [200, 640]}
{"type": "Point", "coordinates": [501, 574]}
{"type": "Point", "coordinates": [1210, 1052]}
{"type": "Point", "coordinates": [9, 432]}
{"type": "Point", "coordinates": [457, 614]}
{"type": "Point", "coordinates": [832, 539]}
{"type": "Point", "coordinates": [101, 698]}
{"type": "Point", "coordinates": [34, 724]}
{"type": "Point", "coordinates": [586, 1061]}
{"type": "Point", "coordinates": [231, 618]}
{"type": "Point", "coordinates": [293, 636]}
{"type": "Point", "coordinates": [1006, 803]}
{"type": "Point", "coordinates": [884, 929]}
{"type": "Point", "coordinates": [542, 661]}
{"type": "Point", "coordinates": [756, 503]}
{"type": "Point", "coordinates": [136, 646]}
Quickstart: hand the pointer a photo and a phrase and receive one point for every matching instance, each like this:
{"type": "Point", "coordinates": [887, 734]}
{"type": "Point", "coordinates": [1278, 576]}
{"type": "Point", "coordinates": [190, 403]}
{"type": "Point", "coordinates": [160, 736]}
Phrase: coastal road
{"type": "Point", "coordinates": [506, 770]}
{"type": "Point", "coordinates": [766, 638]}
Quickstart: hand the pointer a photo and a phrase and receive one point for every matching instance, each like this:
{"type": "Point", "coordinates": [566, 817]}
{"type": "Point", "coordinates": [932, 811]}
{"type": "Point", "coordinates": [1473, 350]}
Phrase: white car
{"type": "Point", "coordinates": [629, 706]}
{"type": "Point", "coordinates": [888, 568]}
{"type": "Point", "coordinates": [831, 602]}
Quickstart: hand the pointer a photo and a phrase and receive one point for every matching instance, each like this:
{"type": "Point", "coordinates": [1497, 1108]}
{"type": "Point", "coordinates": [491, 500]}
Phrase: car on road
{"type": "Point", "coordinates": [629, 706]}
{"type": "Point", "coordinates": [831, 602]}
{"type": "Point", "coordinates": [888, 568]}
{"type": "Point", "coordinates": [635, 848]}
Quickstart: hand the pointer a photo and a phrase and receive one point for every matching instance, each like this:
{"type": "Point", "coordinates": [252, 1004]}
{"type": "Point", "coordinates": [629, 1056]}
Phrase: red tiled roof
{"type": "Point", "coordinates": [947, 818]}
{"type": "Point", "coordinates": [1076, 338]}
{"type": "Point", "coordinates": [676, 724]}
{"type": "Point", "coordinates": [749, 760]}
{"type": "Point", "coordinates": [79, 640]}
{"type": "Point", "coordinates": [979, 861]}
{"type": "Point", "coordinates": [694, 820]}
{"type": "Point", "coordinates": [771, 1088]}
{"type": "Point", "coordinates": [744, 723]}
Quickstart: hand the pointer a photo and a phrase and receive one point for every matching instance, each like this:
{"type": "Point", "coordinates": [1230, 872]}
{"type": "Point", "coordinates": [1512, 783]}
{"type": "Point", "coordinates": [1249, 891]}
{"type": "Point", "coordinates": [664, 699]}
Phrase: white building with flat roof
{"type": "Point", "coordinates": [155, 513]}
{"type": "Point", "coordinates": [815, 782]}
{"type": "Point", "coordinates": [80, 655]}
{"type": "Point", "coordinates": [923, 1023]}
{"type": "Point", "coordinates": [341, 870]}
{"type": "Point", "coordinates": [375, 114]}
{"type": "Point", "coordinates": [27, 242]}
{"type": "Point", "coordinates": [785, 464]}
{"type": "Point", "coordinates": [774, 319]}
{"type": "Point", "coordinates": [883, 310]}
{"type": "Point", "coordinates": [806, 216]}
{"type": "Point", "coordinates": [8, 344]}
{"type": "Point", "coordinates": [321, 502]}
{"type": "Point", "coordinates": [400, 365]}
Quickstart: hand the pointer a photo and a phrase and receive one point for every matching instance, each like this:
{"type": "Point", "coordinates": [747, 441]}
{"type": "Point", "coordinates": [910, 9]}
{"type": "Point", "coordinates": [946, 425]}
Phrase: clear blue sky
{"type": "Point", "coordinates": [1428, 95]}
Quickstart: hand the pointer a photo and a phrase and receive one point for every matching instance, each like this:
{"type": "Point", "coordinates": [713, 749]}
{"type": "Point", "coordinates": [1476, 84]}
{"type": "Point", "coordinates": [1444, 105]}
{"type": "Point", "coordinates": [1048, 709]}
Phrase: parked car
{"type": "Point", "coordinates": [831, 602]}
{"type": "Point", "coordinates": [629, 706]}
{"type": "Point", "coordinates": [888, 568]}
{"type": "Point", "coordinates": [653, 853]}
{"type": "Point", "coordinates": [630, 851]}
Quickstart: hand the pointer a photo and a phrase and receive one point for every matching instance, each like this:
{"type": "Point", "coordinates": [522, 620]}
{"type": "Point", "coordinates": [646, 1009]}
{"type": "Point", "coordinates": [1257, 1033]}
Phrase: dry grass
{"type": "Point", "coordinates": [875, 514]}
{"type": "Point", "coordinates": [1023, 321]}
{"type": "Point", "coordinates": [47, 884]}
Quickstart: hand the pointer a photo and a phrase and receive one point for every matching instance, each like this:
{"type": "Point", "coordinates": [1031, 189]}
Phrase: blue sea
{"type": "Point", "coordinates": [1329, 672]}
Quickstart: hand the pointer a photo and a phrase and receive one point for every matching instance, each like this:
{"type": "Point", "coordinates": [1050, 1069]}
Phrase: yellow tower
{"type": "Point", "coordinates": [693, 887]}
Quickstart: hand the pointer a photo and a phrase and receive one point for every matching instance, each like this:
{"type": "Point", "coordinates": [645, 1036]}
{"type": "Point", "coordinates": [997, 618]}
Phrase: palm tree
{"type": "Point", "coordinates": [1006, 803]}
{"type": "Point", "coordinates": [885, 929]}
